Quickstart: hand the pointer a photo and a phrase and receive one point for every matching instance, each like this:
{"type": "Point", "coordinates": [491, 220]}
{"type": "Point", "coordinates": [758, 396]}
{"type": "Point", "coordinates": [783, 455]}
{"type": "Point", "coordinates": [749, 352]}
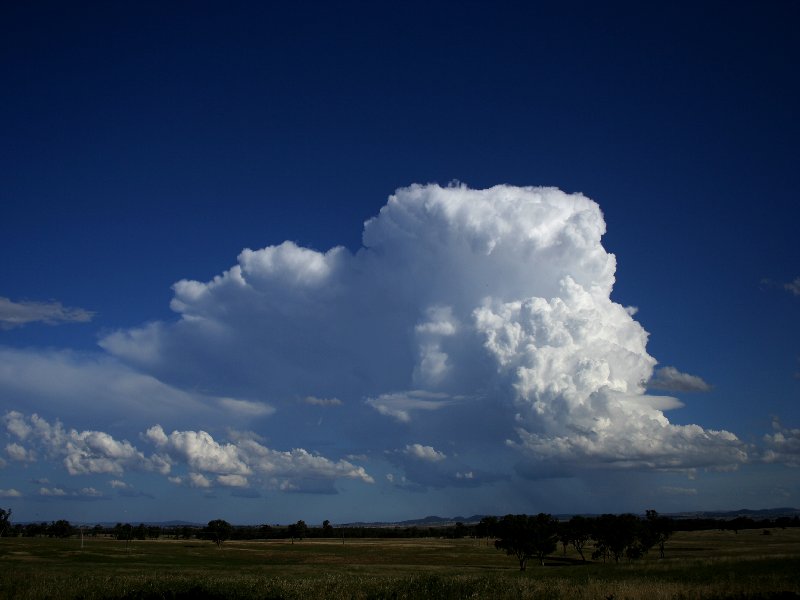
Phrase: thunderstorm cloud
{"type": "Point", "coordinates": [472, 335]}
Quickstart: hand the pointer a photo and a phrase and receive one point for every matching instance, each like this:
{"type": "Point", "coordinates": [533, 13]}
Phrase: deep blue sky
{"type": "Point", "coordinates": [144, 144]}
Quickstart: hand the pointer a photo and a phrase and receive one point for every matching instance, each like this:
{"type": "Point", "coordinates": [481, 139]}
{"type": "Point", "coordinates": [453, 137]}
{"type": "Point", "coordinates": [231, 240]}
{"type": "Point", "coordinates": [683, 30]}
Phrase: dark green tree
{"type": "Point", "coordinates": [5, 520]}
{"type": "Point", "coordinates": [616, 536]}
{"type": "Point", "coordinates": [218, 531]}
{"type": "Point", "coordinates": [298, 530]}
{"type": "Point", "coordinates": [327, 529]}
{"type": "Point", "coordinates": [123, 532]}
{"type": "Point", "coordinates": [658, 530]}
{"type": "Point", "coordinates": [60, 529]}
{"type": "Point", "coordinates": [525, 537]}
{"type": "Point", "coordinates": [486, 527]}
{"type": "Point", "coordinates": [265, 531]}
{"type": "Point", "coordinates": [580, 531]}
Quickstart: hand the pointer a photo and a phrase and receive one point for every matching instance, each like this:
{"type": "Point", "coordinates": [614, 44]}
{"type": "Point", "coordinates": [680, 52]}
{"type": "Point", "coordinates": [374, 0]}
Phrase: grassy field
{"type": "Point", "coordinates": [708, 564]}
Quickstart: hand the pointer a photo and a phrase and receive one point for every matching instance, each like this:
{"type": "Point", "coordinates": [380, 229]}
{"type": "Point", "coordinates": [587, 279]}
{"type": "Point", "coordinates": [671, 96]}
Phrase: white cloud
{"type": "Point", "coordinates": [314, 401]}
{"type": "Point", "coordinates": [83, 452]}
{"type": "Point", "coordinates": [457, 293]}
{"type": "Point", "coordinates": [10, 493]}
{"type": "Point", "coordinates": [399, 405]}
{"type": "Point", "coordinates": [232, 480]}
{"type": "Point", "coordinates": [16, 424]}
{"type": "Point", "coordinates": [199, 450]}
{"type": "Point", "coordinates": [119, 485]}
{"type": "Point", "coordinates": [783, 446]}
{"type": "Point", "coordinates": [16, 314]}
{"type": "Point", "coordinates": [468, 317]}
{"type": "Point", "coordinates": [198, 480]}
{"type": "Point", "coordinates": [575, 364]}
{"type": "Point", "coordinates": [298, 466]}
{"type": "Point", "coordinates": [670, 379]}
{"type": "Point", "coordinates": [793, 287]}
{"type": "Point", "coordinates": [85, 493]}
{"type": "Point", "coordinates": [19, 453]}
{"type": "Point", "coordinates": [88, 452]}
{"type": "Point", "coordinates": [421, 452]}
{"type": "Point", "coordinates": [246, 408]}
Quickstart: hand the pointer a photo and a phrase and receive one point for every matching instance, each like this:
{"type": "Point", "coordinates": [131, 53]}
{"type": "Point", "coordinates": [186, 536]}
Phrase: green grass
{"type": "Point", "coordinates": [701, 565]}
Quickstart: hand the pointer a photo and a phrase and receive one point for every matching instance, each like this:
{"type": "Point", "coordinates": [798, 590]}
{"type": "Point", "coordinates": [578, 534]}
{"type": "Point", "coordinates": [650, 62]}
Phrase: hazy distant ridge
{"type": "Point", "coordinates": [436, 521]}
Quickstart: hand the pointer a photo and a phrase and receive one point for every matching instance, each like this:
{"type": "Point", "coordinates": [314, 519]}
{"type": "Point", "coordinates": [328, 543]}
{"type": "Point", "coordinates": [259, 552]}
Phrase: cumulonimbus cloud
{"type": "Point", "coordinates": [499, 296]}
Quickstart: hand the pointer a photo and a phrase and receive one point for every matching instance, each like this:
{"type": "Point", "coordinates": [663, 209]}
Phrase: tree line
{"type": "Point", "coordinates": [568, 533]}
{"type": "Point", "coordinates": [613, 537]}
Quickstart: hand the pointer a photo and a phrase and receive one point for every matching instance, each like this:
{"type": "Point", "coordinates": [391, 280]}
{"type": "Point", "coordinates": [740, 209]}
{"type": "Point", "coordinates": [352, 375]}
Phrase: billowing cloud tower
{"type": "Point", "coordinates": [481, 304]}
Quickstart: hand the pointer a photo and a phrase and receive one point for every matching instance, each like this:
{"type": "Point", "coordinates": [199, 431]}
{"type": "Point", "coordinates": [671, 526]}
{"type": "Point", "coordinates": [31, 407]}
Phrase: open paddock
{"type": "Point", "coordinates": [698, 565]}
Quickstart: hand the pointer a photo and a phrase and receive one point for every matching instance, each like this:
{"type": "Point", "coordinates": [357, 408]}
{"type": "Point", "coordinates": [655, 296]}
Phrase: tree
{"type": "Point", "coordinates": [580, 529]}
{"type": "Point", "coordinates": [327, 529]}
{"type": "Point", "coordinates": [486, 527]}
{"type": "Point", "coordinates": [298, 530]}
{"type": "Point", "coordinates": [5, 520]}
{"type": "Point", "coordinates": [459, 531]}
{"type": "Point", "coordinates": [218, 531]}
{"type": "Point", "coordinates": [616, 536]}
{"type": "Point", "coordinates": [659, 530]}
{"type": "Point", "coordinates": [60, 529]}
{"type": "Point", "coordinates": [525, 537]}
{"type": "Point", "coordinates": [123, 532]}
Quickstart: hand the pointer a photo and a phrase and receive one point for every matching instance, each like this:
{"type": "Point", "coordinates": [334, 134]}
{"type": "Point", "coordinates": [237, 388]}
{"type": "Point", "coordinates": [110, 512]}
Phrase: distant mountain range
{"type": "Point", "coordinates": [764, 513]}
{"type": "Point", "coordinates": [435, 521]}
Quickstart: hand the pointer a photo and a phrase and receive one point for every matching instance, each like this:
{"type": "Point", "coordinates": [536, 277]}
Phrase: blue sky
{"type": "Point", "coordinates": [474, 347]}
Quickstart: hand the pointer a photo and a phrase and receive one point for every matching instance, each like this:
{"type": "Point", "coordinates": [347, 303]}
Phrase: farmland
{"type": "Point", "coordinates": [704, 564]}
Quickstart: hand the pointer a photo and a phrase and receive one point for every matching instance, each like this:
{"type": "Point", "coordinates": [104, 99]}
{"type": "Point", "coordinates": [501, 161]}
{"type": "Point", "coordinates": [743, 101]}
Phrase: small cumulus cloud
{"type": "Point", "coordinates": [421, 452]}
{"type": "Point", "coordinates": [782, 446]}
{"type": "Point", "coordinates": [314, 401]}
{"type": "Point", "coordinates": [793, 286]}
{"type": "Point", "coordinates": [233, 462]}
{"type": "Point", "coordinates": [85, 493]}
{"type": "Point", "coordinates": [10, 493]}
{"type": "Point", "coordinates": [82, 452]}
{"type": "Point", "coordinates": [669, 379]}
{"type": "Point", "coordinates": [210, 462]}
{"type": "Point", "coordinates": [19, 453]}
{"type": "Point", "coordinates": [238, 481]}
{"type": "Point", "coordinates": [17, 314]}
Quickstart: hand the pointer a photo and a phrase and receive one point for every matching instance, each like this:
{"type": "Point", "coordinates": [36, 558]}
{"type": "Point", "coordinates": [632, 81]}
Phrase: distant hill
{"type": "Point", "coordinates": [436, 521]}
{"type": "Point", "coordinates": [764, 513]}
